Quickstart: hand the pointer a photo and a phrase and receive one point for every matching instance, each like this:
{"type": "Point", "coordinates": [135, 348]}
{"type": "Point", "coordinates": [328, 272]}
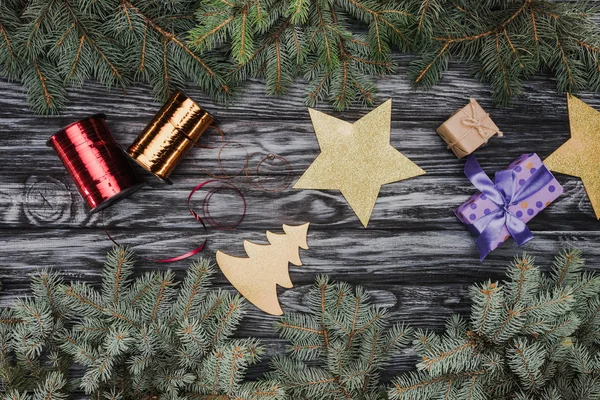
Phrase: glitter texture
{"type": "Point", "coordinates": [580, 155]}
{"type": "Point", "coordinates": [256, 277]}
{"type": "Point", "coordinates": [357, 159]}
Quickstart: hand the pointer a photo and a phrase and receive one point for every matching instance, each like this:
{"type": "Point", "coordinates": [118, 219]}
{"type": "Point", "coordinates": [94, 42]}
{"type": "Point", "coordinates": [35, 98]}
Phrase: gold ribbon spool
{"type": "Point", "coordinates": [172, 132]}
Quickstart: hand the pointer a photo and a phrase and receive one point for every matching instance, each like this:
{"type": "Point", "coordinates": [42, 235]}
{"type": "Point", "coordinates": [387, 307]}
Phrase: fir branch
{"type": "Point", "coordinates": [520, 32]}
{"type": "Point", "coordinates": [348, 339]}
{"type": "Point", "coordinates": [168, 36]}
{"type": "Point", "coordinates": [160, 297]}
{"type": "Point", "coordinates": [48, 44]}
{"type": "Point", "coordinates": [425, 70]}
{"type": "Point", "coordinates": [87, 38]}
{"type": "Point", "coordinates": [47, 95]}
{"type": "Point", "coordinates": [531, 336]}
{"type": "Point", "coordinates": [123, 340]}
{"type": "Point", "coordinates": [233, 308]}
{"type": "Point", "coordinates": [520, 336]}
{"type": "Point", "coordinates": [7, 41]}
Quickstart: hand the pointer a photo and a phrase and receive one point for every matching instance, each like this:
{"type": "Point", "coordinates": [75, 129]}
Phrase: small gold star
{"type": "Point", "coordinates": [580, 155]}
{"type": "Point", "coordinates": [356, 159]}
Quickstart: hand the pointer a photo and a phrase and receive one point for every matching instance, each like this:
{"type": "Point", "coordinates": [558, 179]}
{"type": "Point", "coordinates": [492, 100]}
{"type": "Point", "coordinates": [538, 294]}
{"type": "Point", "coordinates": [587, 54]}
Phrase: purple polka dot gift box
{"type": "Point", "coordinates": [533, 188]}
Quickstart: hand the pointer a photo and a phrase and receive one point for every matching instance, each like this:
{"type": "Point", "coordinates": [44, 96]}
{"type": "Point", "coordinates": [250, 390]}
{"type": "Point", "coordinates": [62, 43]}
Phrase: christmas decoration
{"type": "Point", "coordinates": [256, 277]}
{"type": "Point", "coordinates": [502, 208]}
{"type": "Point", "coordinates": [49, 46]}
{"type": "Point", "coordinates": [197, 217]}
{"type": "Point", "coordinates": [580, 155]}
{"type": "Point", "coordinates": [143, 338]}
{"type": "Point", "coordinates": [506, 42]}
{"type": "Point", "coordinates": [223, 186]}
{"type": "Point", "coordinates": [173, 131]}
{"type": "Point", "coordinates": [281, 40]}
{"type": "Point", "coordinates": [95, 162]}
{"type": "Point", "coordinates": [468, 129]}
{"type": "Point", "coordinates": [178, 146]}
{"type": "Point", "coordinates": [357, 159]}
{"type": "Point", "coordinates": [339, 348]}
{"type": "Point", "coordinates": [532, 337]}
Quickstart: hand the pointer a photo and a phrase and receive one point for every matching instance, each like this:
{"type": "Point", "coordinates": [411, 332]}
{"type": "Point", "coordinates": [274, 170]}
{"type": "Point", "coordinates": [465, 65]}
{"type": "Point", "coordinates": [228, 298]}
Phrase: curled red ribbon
{"type": "Point", "coordinates": [206, 215]}
{"type": "Point", "coordinates": [244, 172]}
{"type": "Point", "coordinates": [258, 182]}
{"type": "Point", "coordinates": [206, 202]}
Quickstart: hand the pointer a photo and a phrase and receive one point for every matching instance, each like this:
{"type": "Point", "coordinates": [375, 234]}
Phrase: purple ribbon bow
{"type": "Point", "coordinates": [503, 193]}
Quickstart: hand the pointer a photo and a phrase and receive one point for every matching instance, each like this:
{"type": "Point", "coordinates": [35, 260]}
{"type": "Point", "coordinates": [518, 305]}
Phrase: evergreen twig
{"type": "Point", "coordinates": [336, 46]}
{"type": "Point", "coordinates": [534, 336]}
{"type": "Point", "coordinates": [148, 337]}
{"type": "Point", "coordinates": [49, 45]}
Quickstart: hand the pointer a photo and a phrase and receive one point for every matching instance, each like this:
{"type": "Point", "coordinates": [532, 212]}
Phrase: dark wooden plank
{"type": "Point", "coordinates": [367, 257]}
{"type": "Point", "coordinates": [423, 203]}
{"type": "Point", "coordinates": [23, 142]}
{"type": "Point", "coordinates": [415, 257]}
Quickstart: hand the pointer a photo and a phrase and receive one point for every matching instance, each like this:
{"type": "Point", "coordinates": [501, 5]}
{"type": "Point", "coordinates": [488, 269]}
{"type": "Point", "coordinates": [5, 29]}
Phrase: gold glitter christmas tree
{"type": "Point", "coordinates": [256, 277]}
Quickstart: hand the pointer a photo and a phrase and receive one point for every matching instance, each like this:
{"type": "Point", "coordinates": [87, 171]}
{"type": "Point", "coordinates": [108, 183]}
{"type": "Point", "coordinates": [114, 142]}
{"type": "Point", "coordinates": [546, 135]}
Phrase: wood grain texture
{"type": "Point", "coordinates": [415, 257]}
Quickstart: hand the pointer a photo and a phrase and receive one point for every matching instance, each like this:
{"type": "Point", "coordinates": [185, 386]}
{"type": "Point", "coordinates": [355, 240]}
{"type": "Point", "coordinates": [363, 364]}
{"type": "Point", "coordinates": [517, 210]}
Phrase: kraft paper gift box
{"type": "Point", "coordinates": [468, 129]}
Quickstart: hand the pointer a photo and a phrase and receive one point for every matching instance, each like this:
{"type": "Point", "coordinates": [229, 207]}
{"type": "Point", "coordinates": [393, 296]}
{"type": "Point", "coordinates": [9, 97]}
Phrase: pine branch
{"type": "Point", "coordinates": [140, 338]}
{"type": "Point", "coordinates": [324, 45]}
{"type": "Point", "coordinates": [170, 36]}
{"type": "Point", "coordinates": [346, 340]}
{"type": "Point", "coordinates": [529, 36]}
{"type": "Point", "coordinates": [525, 339]}
{"type": "Point", "coordinates": [532, 336]}
{"type": "Point", "coordinates": [48, 44]}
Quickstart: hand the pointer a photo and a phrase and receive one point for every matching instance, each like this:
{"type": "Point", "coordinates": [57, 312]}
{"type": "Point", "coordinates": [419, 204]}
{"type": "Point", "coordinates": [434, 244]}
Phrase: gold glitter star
{"type": "Point", "coordinates": [356, 159]}
{"type": "Point", "coordinates": [580, 155]}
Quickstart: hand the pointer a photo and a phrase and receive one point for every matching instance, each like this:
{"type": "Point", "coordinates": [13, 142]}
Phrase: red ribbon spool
{"type": "Point", "coordinates": [96, 163]}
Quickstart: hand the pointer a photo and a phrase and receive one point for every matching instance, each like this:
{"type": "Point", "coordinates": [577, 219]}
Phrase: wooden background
{"type": "Point", "coordinates": [415, 256]}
